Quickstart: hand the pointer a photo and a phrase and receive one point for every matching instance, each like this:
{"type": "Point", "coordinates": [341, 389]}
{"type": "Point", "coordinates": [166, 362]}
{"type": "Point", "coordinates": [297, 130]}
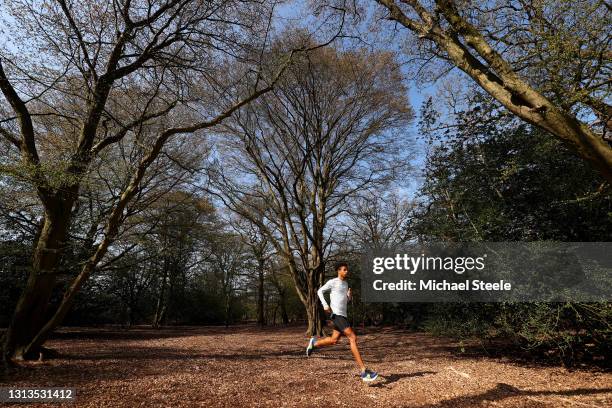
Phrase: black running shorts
{"type": "Point", "coordinates": [341, 323]}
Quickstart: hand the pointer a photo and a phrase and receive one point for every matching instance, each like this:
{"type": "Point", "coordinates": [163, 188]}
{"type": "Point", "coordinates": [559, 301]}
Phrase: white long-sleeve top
{"type": "Point", "coordinates": [338, 295]}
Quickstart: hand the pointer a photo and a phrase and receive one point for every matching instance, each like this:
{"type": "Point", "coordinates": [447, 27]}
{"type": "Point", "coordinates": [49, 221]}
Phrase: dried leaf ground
{"type": "Point", "coordinates": [245, 366]}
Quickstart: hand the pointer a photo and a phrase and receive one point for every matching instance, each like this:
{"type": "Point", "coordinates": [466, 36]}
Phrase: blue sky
{"type": "Point", "coordinates": [294, 13]}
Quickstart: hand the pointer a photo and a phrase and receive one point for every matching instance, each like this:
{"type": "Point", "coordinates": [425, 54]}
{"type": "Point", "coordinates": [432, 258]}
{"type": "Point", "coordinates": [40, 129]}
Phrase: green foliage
{"type": "Point", "coordinates": [566, 332]}
{"type": "Point", "coordinates": [53, 175]}
{"type": "Point", "coordinates": [489, 178]}
{"type": "Point", "coordinates": [14, 267]}
{"type": "Point", "coordinates": [569, 331]}
{"type": "Point", "coordinates": [461, 321]}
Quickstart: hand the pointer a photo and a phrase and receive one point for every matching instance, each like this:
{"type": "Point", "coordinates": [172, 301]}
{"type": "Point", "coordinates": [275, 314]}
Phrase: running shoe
{"type": "Point", "coordinates": [369, 375]}
{"type": "Point", "coordinates": [311, 346]}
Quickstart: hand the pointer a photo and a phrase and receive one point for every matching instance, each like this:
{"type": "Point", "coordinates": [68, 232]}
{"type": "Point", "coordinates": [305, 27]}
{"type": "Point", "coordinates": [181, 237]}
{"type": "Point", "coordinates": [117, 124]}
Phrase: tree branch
{"type": "Point", "coordinates": [125, 129]}
{"type": "Point", "coordinates": [14, 139]}
{"type": "Point", "coordinates": [28, 144]}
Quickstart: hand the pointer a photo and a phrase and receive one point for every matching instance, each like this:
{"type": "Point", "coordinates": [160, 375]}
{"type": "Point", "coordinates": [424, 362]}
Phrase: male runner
{"type": "Point", "coordinates": [339, 296]}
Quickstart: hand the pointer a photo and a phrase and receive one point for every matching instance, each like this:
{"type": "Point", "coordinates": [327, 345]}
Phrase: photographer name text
{"type": "Point", "coordinates": [443, 285]}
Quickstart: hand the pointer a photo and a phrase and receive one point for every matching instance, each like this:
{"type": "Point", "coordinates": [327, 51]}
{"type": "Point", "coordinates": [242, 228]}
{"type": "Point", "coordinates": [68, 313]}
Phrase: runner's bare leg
{"type": "Point", "coordinates": [328, 341]}
{"type": "Point", "coordinates": [350, 334]}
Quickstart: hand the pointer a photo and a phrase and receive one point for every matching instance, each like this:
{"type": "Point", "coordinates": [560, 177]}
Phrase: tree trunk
{"type": "Point", "coordinates": [130, 316]}
{"type": "Point", "coordinates": [28, 330]}
{"type": "Point", "coordinates": [261, 320]}
{"type": "Point", "coordinates": [162, 316]}
{"type": "Point", "coordinates": [274, 315]}
{"type": "Point", "coordinates": [283, 310]}
{"type": "Point", "coordinates": [32, 307]}
{"type": "Point", "coordinates": [315, 318]}
{"type": "Point", "coordinates": [159, 307]}
{"type": "Point", "coordinates": [314, 309]}
{"type": "Point", "coordinates": [227, 309]}
{"type": "Point", "coordinates": [497, 77]}
{"type": "Point", "coordinates": [307, 292]}
{"type": "Point", "coordinates": [70, 293]}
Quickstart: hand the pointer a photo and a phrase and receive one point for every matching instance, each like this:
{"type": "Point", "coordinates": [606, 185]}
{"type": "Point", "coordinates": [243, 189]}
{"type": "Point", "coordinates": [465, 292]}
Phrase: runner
{"type": "Point", "coordinates": [339, 296]}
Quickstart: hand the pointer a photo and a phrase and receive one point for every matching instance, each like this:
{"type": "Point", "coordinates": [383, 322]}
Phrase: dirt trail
{"type": "Point", "coordinates": [244, 366]}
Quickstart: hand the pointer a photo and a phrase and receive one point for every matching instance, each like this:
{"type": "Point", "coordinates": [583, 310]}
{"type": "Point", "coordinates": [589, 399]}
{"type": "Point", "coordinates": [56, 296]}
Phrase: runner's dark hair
{"type": "Point", "coordinates": [340, 265]}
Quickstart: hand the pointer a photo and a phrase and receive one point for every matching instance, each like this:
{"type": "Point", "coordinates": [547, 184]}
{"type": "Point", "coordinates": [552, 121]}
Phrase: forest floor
{"type": "Point", "coordinates": [245, 366]}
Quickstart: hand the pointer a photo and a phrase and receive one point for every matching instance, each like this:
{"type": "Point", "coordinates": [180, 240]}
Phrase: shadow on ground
{"type": "Point", "coordinates": [112, 333]}
{"type": "Point", "coordinates": [258, 367]}
{"type": "Point", "coordinates": [503, 391]}
{"type": "Point", "coordinates": [386, 380]}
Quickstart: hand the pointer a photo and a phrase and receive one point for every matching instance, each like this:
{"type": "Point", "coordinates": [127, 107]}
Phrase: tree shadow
{"type": "Point", "coordinates": [502, 391]}
{"type": "Point", "coordinates": [101, 363]}
{"type": "Point", "coordinates": [429, 346]}
{"type": "Point", "coordinates": [114, 333]}
{"type": "Point", "coordinates": [385, 380]}
{"type": "Point", "coordinates": [137, 354]}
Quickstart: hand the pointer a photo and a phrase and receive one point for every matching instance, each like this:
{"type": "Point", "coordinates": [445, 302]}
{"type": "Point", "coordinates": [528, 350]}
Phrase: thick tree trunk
{"type": "Point", "coordinates": [111, 231]}
{"type": "Point", "coordinates": [314, 309]}
{"type": "Point", "coordinates": [315, 320]}
{"type": "Point", "coordinates": [306, 290]}
{"type": "Point", "coordinates": [32, 307]}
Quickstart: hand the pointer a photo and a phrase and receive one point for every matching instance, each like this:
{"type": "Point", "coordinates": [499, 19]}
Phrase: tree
{"type": "Point", "coordinates": [183, 225]}
{"type": "Point", "coordinates": [325, 134]}
{"type": "Point", "coordinates": [229, 259]}
{"type": "Point", "coordinates": [377, 221]}
{"type": "Point", "coordinates": [20, 215]}
{"type": "Point", "coordinates": [259, 246]}
{"type": "Point", "coordinates": [491, 177]}
{"type": "Point", "coordinates": [547, 62]}
{"type": "Point", "coordinates": [281, 282]}
{"type": "Point", "coordinates": [91, 75]}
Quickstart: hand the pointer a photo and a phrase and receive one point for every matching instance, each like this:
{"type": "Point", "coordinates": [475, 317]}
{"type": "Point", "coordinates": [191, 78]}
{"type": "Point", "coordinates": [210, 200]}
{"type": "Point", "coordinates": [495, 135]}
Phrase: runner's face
{"type": "Point", "coordinates": [343, 272]}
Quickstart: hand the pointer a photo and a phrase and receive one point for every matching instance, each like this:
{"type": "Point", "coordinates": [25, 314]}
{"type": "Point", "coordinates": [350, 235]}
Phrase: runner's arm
{"type": "Point", "coordinates": [321, 291]}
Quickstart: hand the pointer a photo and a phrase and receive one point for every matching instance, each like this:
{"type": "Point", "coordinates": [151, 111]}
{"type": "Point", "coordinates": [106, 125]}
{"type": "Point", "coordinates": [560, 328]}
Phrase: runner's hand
{"type": "Point", "coordinates": [328, 310]}
{"type": "Point", "coordinates": [349, 294]}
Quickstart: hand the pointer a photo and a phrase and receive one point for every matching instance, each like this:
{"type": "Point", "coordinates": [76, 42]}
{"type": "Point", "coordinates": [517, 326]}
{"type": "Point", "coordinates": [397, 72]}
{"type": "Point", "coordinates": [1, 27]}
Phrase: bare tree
{"type": "Point", "coordinates": [277, 277]}
{"type": "Point", "coordinates": [324, 134]}
{"type": "Point", "coordinates": [377, 221]}
{"type": "Point", "coordinates": [547, 62]}
{"type": "Point", "coordinates": [90, 75]}
{"type": "Point", "coordinates": [228, 262]}
{"type": "Point", "coordinates": [182, 222]}
{"type": "Point", "coordinates": [260, 247]}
